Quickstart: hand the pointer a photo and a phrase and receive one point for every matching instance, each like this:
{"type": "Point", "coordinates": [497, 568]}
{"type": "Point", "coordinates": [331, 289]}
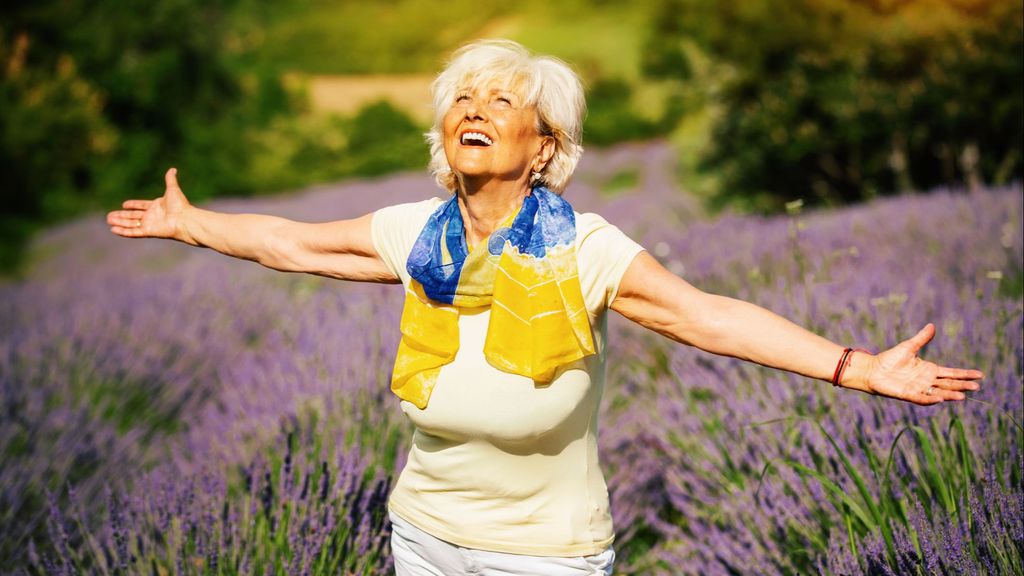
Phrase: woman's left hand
{"type": "Point", "coordinates": [899, 373]}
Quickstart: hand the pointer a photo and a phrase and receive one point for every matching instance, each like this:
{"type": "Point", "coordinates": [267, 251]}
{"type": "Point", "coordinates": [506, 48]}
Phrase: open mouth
{"type": "Point", "coordinates": [475, 139]}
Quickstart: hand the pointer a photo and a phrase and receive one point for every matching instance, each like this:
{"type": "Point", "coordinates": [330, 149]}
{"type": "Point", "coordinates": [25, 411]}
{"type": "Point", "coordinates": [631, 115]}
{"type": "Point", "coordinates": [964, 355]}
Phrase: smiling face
{"type": "Point", "coordinates": [491, 134]}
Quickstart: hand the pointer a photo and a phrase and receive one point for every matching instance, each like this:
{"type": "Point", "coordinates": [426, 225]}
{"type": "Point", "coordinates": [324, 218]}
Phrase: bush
{"type": "Point", "coordinates": [839, 101]}
{"type": "Point", "coordinates": [611, 117]}
{"type": "Point", "coordinates": [97, 97]}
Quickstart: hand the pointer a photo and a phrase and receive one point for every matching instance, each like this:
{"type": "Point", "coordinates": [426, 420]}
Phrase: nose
{"type": "Point", "coordinates": [474, 111]}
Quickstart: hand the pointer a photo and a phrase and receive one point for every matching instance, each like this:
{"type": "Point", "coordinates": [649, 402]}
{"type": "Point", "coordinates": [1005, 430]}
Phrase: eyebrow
{"type": "Point", "coordinates": [502, 91]}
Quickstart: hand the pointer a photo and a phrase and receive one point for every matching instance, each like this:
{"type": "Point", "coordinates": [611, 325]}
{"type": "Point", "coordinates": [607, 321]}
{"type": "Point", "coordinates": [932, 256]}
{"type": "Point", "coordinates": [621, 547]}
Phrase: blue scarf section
{"type": "Point", "coordinates": [545, 221]}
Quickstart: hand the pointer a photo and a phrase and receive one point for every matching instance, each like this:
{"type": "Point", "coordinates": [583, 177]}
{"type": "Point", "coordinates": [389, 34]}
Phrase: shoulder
{"type": "Point", "coordinates": [603, 253]}
{"type": "Point", "coordinates": [394, 230]}
{"type": "Point", "coordinates": [587, 223]}
{"type": "Point", "coordinates": [406, 212]}
{"type": "Point", "coordinates": [592, 230]}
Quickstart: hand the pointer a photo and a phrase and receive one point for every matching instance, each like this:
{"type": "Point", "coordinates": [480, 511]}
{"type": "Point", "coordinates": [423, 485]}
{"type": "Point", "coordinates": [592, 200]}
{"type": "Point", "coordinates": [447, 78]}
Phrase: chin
{"type": "Point", "coordinates": [468, 170]}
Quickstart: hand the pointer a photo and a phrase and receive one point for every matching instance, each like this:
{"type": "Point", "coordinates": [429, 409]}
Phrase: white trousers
{"type": "Point", "coordinates": [417, 553]}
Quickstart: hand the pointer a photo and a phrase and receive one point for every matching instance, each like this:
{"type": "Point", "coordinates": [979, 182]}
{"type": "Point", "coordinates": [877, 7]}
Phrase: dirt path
{"type": "Point", "coordinates": [347, 94]}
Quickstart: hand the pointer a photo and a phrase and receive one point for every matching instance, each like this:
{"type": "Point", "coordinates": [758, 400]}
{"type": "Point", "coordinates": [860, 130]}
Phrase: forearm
{"type": "Point", "coordinates": [731, 327]}
{"type": "Point", "coordinates": [657, 299]}
{"type": "Point", "coordinates": [253, 237]}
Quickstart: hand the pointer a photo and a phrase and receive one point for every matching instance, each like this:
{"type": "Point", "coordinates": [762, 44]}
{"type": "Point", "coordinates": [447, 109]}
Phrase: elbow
{"type": "Point", "coordinates": [703, 326]}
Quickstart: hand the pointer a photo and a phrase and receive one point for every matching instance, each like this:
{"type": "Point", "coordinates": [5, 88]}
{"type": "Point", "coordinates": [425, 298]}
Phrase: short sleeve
{"type": "Point", "coordinates": [603, 253]}
{"type": "Point", "coordinates": [394, 230]}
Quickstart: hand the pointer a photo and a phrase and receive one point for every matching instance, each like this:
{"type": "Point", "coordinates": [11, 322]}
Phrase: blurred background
{"type": "Point", "coordinates": [763, 101]}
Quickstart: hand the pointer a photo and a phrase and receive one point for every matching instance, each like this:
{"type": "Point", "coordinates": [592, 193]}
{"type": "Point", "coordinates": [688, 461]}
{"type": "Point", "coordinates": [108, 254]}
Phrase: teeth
{"type": "Point", "coordinates": [476, 136]}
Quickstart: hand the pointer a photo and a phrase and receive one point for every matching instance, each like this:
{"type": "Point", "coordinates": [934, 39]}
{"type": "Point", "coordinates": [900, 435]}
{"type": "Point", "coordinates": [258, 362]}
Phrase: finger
{"type": "Point", "coordinates": [928, 399]}
{"type": "Point", "coordinates": [136, 204]}
{"type": "Point", "coordinates": [942, 391]}
{"type": "Point", "coordinates": [133, 214]}
{"type": "Point", "coordinates": [924, 336]}
{"type": "Point", "coordinates": [171, 179]}
{"type": "Point", "coordinates": [959, 373]}
{"type": "Point", "coordinates": [948, 394]}
{"type": "Point", "coordinates": [125, 222]}
{"type": "Point", "coordinates": [949, 384]}
{"type": "Point", "coordinates": [128, 232]}
{"type": "Point", "coordinates": [125, 214]}
{"type": "Point", "coordinates": [928, 396]}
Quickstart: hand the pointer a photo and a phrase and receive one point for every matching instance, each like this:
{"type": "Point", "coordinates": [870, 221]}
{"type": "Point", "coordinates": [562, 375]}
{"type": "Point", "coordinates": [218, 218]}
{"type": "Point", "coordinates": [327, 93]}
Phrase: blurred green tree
{"type": "Point", "coordinates": [100, 96]}
{"type": "Point", "coordinates": [52, 130]}
{"type": "Point", "coordinates": [835, 101]}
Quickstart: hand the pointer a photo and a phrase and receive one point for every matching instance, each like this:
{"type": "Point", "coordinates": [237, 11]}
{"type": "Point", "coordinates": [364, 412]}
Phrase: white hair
{"type": "Point", "coordinates": [543, 82]}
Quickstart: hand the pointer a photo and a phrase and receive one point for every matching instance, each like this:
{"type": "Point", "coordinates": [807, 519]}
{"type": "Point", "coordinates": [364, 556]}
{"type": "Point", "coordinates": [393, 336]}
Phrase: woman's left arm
{"type": "Point", "coordinates": [655, 298]}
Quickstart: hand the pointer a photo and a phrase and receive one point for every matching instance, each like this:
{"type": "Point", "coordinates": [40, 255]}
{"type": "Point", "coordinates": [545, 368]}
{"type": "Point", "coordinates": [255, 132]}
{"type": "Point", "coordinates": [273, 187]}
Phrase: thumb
{"type": "Point", "coordinates": [171, 178]}
{"type": "Point", "coordinates": [173, 194]}
{"type": "Point", "coordinates": [924, 336]}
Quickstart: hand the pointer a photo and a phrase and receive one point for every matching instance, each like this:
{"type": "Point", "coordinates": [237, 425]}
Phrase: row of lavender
{"type": "Point", "coordinates": [166, 410]}
{"type": "Point", "coordinates": [725, 468]}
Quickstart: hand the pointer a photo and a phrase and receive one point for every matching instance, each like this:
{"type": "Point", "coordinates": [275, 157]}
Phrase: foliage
{"type": "Point", "coordinates": [51, 132]}
{"type": "Point", "coordinates": [100, 96]}
{"type": "Point", "coordinates": [382, 139]}
{"type": "Point", "coordinates": [842, 100]}
{"type": "Point", "coordinates": [296, 151]}
{"type": "Point", "coordinates": [611, 115]}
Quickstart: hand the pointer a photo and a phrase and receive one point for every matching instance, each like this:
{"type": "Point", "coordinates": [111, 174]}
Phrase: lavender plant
{"type": "Point", "coordinates": [167, 410]}
{"type": "Point", "coordinates": [708, 490]}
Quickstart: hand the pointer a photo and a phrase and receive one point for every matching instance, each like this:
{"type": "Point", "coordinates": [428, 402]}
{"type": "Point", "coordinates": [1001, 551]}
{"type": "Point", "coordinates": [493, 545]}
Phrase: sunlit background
{"type": "Point", "coordinates": [165, 410]}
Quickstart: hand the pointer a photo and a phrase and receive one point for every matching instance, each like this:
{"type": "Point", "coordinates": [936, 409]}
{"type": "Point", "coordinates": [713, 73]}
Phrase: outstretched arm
{"type": "Point", "coordinates": [342, 249]}
{"type": "Point", "coordinates": [657, 299]}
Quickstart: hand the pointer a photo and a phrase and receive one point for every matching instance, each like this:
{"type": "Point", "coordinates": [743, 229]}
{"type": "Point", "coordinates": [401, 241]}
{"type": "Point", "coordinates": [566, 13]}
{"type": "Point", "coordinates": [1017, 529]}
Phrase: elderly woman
{"type": "Point", "coordinates": [501, 362]}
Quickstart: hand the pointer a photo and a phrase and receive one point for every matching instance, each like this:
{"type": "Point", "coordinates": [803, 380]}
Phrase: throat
{"type": "Point", "coordinates": [489, 208]}
{"type": "Point", "coordinates": [479, 230]}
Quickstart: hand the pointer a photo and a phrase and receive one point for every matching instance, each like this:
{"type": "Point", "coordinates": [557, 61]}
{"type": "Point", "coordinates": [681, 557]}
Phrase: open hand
{"type": "Point", "coordinates": [899, 373]}
{"type": "Point", "coordinates": [158, 218]}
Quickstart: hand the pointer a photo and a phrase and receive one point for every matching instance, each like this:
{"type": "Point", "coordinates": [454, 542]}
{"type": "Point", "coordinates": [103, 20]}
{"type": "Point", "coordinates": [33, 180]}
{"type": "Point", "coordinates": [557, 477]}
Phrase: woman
{"type": "Point", "coordinates": [501, 362]}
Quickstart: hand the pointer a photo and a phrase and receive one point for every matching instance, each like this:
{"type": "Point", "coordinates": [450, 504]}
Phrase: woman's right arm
{"type": "Point", "coordinates": [342, 249]}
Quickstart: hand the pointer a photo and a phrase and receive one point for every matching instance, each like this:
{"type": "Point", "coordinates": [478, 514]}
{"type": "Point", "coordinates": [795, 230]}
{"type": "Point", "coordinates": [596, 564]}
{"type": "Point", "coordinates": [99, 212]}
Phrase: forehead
{"type": "Point", "coordinates": [490, 81]}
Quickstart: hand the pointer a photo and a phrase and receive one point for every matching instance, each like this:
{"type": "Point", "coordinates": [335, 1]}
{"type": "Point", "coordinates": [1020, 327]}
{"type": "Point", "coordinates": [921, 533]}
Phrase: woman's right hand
{"type": "Point", "coordinates": [160, 218]}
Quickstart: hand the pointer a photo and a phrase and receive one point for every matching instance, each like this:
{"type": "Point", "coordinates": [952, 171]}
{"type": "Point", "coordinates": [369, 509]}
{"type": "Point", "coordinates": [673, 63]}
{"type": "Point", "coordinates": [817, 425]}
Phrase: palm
{"type": "Point", "coordinates": [899, 373]}
{"type": "Point", "coordinates": [157, 218]}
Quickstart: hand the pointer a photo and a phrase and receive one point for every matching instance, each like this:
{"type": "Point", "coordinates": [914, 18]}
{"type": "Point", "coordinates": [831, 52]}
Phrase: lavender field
{"type": "Point", "coordinates": [166, 410]}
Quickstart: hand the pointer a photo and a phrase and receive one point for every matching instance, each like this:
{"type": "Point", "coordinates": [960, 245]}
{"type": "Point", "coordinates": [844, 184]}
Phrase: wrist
{"type": "Point", "coordinates": [186, 225]}
{"type": "Point", "coordinates": [858, 371]}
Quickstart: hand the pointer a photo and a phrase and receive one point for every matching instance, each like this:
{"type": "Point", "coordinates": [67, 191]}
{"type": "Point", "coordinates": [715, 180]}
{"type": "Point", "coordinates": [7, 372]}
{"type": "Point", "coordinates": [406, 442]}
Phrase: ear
{"type": "Point", "coordinates": [547, 151]}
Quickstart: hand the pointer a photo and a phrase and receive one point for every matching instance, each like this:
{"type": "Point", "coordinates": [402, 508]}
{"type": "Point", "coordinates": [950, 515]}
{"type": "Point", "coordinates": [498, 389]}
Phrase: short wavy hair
{"type": "Point", "coordinates": [544, 82]}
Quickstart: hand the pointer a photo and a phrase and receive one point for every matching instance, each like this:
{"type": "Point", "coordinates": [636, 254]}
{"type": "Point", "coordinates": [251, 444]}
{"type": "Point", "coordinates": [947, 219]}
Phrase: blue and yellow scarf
{"type": "Point", "coordinates": [526, 272]}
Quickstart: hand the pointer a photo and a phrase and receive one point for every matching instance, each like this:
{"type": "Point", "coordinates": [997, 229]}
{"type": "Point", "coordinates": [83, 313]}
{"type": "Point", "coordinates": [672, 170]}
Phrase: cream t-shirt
{"type": "Point", "coordinates": [499, 462]}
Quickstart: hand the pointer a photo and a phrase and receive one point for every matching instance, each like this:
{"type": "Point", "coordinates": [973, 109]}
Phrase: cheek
{"type": "Point", "coordinates": [448, 129]}
{"type": "Point", "coordinates": [524, 128]}
{"type": "Point", "coordinates": [449, 124]}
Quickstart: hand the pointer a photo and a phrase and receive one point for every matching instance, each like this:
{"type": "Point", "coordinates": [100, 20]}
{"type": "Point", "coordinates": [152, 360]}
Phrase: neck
{"type": "Point", "coordinates": [485, 206]}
